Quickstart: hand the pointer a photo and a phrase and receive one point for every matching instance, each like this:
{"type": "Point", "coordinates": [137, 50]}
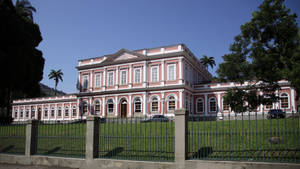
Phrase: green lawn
{"type": "Point", "coordinates": [247, 140]}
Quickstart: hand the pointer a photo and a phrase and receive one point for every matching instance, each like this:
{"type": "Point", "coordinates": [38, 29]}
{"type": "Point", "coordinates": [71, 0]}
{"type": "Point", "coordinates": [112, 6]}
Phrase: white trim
{"type": "Point", "coordinates": [293, 99]}
{"type": "Point", "coordinates": [168, 99]}
{"type": "Point", "coordinates": [211, 98]}
{"type": "Point", "coordinates": [203, 105]}
{"type": "Point", "coordinates": [288, 97]}
{"type": "Point", "coordinates": [134, 101]}
{"type": "Point", "coordinates": [107, 108]}
{"type": "Point", "coordinates": [162, 72]}
{"type": "Point", "coordinates": [158, 106]}
{"type": "Point", "coordinates": [157, 73]}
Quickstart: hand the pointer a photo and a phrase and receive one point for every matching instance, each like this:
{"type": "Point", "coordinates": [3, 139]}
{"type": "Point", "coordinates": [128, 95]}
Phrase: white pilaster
{"type": "Point", "coordinates": [145, 104]}
{"type": "Point", "coordinates": [162, 102]}
{"type": "Point", "coordinates": [219, 102]}
{"type": "Point", "coordinates": [91, 81]}
{"type": "Point", "coordinates": [261, 105]}
{"type": "Point", "coordinates": [42, 115]}
{"type": "Point", "coordinates": [48, 112]}
{"type": "Point", "coordinates": [293, 100]}
{"type": "Point", "coordinates": [63, 111]}
{"type": "Point", "coordinates": [103, 106]}
{"type": "Point", "coordinates": [206, 108]}
{"type": "Point", "coordinates": [163, 72]}
{"type": "Point", "coordinates": [90, 106]}
{"type": "Point", "coordinates": [78, 107]}
{"type": "Point", "coordinates": [130, 105]}
{"type": "Point", "coordinates": [277, 104]}
{"type": "Point", "coordinates": [70, 111]}
{"type": "Point", "coordinates": [117, 78]}
{"type": "Point", "coordinates": [116, 106]}
{"type": "Point", "coordinates": [36, 112]}
{"type": "Point", "coordinates": [56, 111]}
{"type": "Point", "coordinates": [145, 74]}
{"type": "Point", "coordinates": [180, 71]}
{"type": "Point", "coordinates": [18, 115]}
{"type": "Point", "coordinates": [79, 84]}
{"type": "Point", "coordinates": [130, 76]}
{"type": "Point", "coordinates": [104, 80]}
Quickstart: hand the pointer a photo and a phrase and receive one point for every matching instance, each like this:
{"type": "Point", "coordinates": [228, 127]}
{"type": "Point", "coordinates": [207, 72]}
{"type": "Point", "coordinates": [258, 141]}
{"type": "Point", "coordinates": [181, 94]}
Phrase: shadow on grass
{"type": "Point", "coordinates": [114, 152]}
{"type": "Point", "coordinates": [52, 151]}
{"type": "Point", "coordinates": [7, 149]}
{"type": "Point", "coordinates": [203, 152]}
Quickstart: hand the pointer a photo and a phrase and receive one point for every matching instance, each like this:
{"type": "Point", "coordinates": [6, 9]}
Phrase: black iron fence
{"type": "Point", "coordinates": [12, 138]}
{"type": "Point", "coordinates": [139, 138]}
{"type": "Point", "coordinates": [66, 139]}
{"type": "Point", "coordinates": [245, 137]}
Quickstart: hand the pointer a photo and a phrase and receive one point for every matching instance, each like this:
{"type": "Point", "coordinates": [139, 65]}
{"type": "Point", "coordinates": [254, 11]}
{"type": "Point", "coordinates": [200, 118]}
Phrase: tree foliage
{"type": "Point", "coordinates": [56, 75]}
{"type": "Point", "coordinates": [21, 64]}
{"type": "Point", "coordinates": [266, 51]}
{"type": "Point", "coordinates": [208, 61]}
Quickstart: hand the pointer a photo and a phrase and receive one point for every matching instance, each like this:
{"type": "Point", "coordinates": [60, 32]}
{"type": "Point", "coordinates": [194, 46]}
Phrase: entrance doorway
{"type": "Point", "coordinates": [123, 106]}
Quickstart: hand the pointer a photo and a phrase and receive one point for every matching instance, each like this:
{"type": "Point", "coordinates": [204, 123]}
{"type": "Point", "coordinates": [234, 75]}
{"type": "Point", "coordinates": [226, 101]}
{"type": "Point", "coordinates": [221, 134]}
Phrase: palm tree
{"type": "Point", "coordinates": [24, 8]}
{"type": "Point", "coordinates": [56, 75]}
{"type": "Point", "coordinates": [208, 61]}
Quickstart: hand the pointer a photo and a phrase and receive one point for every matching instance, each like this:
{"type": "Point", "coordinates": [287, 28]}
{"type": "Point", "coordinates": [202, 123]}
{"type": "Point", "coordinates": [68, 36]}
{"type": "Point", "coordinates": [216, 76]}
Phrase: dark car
{"type": "Point", "coordinates": [157, 118]}
{"type": "Point", "coordinates": [276, 114]}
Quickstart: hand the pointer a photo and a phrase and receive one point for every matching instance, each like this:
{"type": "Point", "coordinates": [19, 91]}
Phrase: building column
{"type": "Point", "coordinates": [219, 103]}
{"type": "Point", "coordinates": [49, 112]}
{"type": "Point", "coordinates": [145, 110]}
{"type": "Point", "coordinates": [130, 76]}
{"type": "Point", "coordinates": [117, 106]}
{"type": "Point", "coordinates": [104, 80]}
{"type": "Point", "coordinates": [145, 74]}
{"type": "Point", "coordinates": [56, 111]}
{"type": "Point", "coordinates": [206, 108]}
{"type": "Point", "coordinates": [70, 111]}
{"type": "Point", "coordinates": [18, 115]}
{"type": "Point", "coordinates": [163, 72]}
{"type": "Point", "coordinates": [130, 106]}
{"type": "Point", "coordinates": [103, 106]}
{"type": "Point", "coordinates": [36, 112]}
{"type": "Point", "coordinates": [261, 105]}
{"type": "Point", "coordinates": [180, 71]}
{"type": "Point", "coordinates": [293, 100]}
{"type": "Point", "coordinates": [63, 111]}
{"type": "Point", "coordinates": [277, 104]}
{"type": "Point", "coordinates": [78, 108]}
{"type": "Point", "coordinates": [91, 81]}
{"type": "Point", "coordinates": [162, 102]}
{"type": "Point", "coordinates": [117, 78]}
{"type": "Point", "coordinates": [42, 115]}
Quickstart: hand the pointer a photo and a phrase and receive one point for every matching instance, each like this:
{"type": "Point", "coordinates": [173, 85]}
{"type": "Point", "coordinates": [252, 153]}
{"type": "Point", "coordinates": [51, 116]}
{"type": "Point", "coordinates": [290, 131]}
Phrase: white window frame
{"type": "Point", "coordinates": [139, 77]}
{"type": "Point", "coordinates": [74, 108]}
{"type": "Point", "coordinates": [211, 98]}
{"type": "Point", "coordinates": [113, 102]}
{"type": "Point", "coordinates": [46, 113]}
{"type": "Point", "coordinates": [59, 109]}
{"type": "Point", "coordinates": [134, 102]}
{"type": "Point", "coordinates": [96, 105]}
{"type": "Point", "coordinates": [169, 72]}
{"type": "Point", "coordinates": [85, 81]}
{"type": "Point", "coordinates": [97, 81]}
{"type": "Point", "coordinates": [151, 100]}
{"type": "Point", "coordinates": [121, 76]}
{"type": "Point", "coordinates": [198, 100]}
{"type": "Point", "coordinates": [288, 97]}
{"type": "Point", "coordinates": [112, 73]}
{"type": "Point", "coordinates": [157, 73]}
{"type": "Point", "coordinates": [82, 108]}
{"type": "Point", "coordinates": [168, 100]}
{"type": "Point", "coordinates": [66, 108]}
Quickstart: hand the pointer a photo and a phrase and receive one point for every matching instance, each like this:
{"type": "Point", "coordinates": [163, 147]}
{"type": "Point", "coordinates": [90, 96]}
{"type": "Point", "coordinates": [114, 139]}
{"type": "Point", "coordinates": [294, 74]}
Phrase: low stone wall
{"type": "Point", "coordinates": [121, 164]}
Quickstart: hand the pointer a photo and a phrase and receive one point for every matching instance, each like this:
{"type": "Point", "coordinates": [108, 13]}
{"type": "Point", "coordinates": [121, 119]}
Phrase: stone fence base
{"type": "Point", "coordinates": [120, 164]}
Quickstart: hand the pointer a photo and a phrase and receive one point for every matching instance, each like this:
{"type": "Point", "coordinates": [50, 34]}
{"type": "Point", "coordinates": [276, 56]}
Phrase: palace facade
{"type": "Point", "coordinates": [145, 82]}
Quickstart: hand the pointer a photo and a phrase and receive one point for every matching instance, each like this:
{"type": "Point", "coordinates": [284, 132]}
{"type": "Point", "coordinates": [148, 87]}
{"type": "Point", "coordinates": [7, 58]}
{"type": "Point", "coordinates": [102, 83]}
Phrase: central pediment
{"type": "Point", "coordinates": [124, 54]}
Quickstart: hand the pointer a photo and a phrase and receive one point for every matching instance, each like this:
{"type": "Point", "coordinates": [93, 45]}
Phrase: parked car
{"type": "Point", "coordinates": [157, 118]}
{"type": "Point", "coordinates": [276, 114]}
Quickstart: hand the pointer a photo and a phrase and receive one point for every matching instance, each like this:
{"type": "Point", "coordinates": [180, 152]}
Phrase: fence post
{"type": "Point", "coordinates": [92, 137]}
{"type": "Point", "coordinates": [31, 137]}
{"type": "Point", "coordinates": [181, 137]}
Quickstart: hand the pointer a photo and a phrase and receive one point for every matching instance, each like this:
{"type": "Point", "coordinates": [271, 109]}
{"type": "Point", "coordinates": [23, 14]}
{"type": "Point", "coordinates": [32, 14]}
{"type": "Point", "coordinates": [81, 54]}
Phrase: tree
{"type": "Point", "coordinates": [24, 8]}
{"type": "Point", "coordinates": [208, 61]}
{"type": "Point", "coordinates": [266, 51]}
{"type": "Point", "coordinates": [56, 75]}
{"type": "Point", "coordinates": [21, 64]}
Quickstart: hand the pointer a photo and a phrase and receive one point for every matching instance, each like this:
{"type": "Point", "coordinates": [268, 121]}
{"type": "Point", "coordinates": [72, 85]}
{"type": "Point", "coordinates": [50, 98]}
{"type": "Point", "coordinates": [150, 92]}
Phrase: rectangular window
{"type": "Point", "coordinates": [110, 78]}
{"type": "Point", "coordinates": [97, 80]}
{"type": "Point", "coordinates": [172, 72]}
{"type": "Point", "coordinates": [137, 75]}
{"type": "Point", "coordinates": [85, 81]}
{"type": "Point", "coordinates": [123, 77]}
{"type": "Point", "coordinates": [154, 74]}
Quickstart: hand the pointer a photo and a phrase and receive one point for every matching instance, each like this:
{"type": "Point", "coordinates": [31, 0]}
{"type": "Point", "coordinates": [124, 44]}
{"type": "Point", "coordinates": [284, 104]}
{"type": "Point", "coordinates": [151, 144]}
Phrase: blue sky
{"type": "Point", "coordinates": [76, 29]}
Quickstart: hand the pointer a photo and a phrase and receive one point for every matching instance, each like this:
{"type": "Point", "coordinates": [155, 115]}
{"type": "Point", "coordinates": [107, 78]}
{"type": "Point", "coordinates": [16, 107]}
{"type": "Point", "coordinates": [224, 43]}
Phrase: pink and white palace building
{"type": "Point", "coordinates": [132, 83]}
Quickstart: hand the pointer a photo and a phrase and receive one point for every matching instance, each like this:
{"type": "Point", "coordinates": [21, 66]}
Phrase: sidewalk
{"type": "Point", "coordinates": [16, 166]}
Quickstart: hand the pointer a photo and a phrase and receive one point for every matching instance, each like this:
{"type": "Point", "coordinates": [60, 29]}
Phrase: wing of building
{"type": "Point", "coordinates": [132, 83]}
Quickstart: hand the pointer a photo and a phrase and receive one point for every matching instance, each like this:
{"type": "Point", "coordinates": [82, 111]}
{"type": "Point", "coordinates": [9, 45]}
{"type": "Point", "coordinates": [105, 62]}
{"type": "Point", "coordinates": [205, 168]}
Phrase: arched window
{"type": "Point", "coordinates": [212, 104]}
{"type": "Point", "coordinates": [74, 111]}
{"type": "Point", "coordinates": [21, 113]}
{"type": "Point", "coordinates": [199, 105]}
{"type": "Point", "coordinates": [84, 107]}
{"type": "Point", "coordinates": [45, 112]}
{"type": "Point", "coordinates": [52, 112]}
{"type": "Point", "coordinates": [97, 107]}
{"type": "Point", "coordinates": [110, 106]}
{"type": "Point", "coordinates": [137, 105]}
{"type": "Point", "coordinates": [154, 104]}
{"type": "Point", "coordinates": [32, 112]}
{"type": "Point", "coordinates": [284, 101]}
{"type": "Point", "coordinates": [67, 111]}
{"type": "Point", "coordinates": [171, 103]}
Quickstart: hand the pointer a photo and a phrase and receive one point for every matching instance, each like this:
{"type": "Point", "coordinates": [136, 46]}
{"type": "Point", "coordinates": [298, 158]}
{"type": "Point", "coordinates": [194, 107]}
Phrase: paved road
{"type": "Point", "coordinates": [16, 166]}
